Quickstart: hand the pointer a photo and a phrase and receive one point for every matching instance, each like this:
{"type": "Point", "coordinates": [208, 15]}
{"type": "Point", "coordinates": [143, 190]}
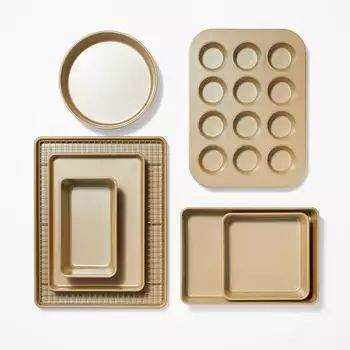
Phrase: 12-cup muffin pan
{"type": "Point", "coordinates": [247, 108]}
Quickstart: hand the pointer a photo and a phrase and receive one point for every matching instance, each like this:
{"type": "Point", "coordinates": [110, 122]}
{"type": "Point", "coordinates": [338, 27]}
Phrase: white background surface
{"type": "Point", "coordinates": [35, 35]}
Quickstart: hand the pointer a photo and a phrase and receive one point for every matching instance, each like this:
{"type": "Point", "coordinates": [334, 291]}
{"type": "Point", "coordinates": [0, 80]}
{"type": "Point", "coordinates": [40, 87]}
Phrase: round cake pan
{"type": "Point", "coordinates": [135, 105]}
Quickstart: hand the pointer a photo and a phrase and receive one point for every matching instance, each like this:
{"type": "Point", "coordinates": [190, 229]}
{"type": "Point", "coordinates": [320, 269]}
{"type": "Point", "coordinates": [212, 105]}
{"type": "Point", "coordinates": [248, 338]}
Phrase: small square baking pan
{"type": "Point", "coordinates": [89, 227]}
{"type": "Point", "coordinates": [266, 256]}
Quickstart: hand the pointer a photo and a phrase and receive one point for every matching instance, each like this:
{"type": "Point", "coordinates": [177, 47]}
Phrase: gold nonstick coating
{"type": "Point", "coordinates": [85, 43]}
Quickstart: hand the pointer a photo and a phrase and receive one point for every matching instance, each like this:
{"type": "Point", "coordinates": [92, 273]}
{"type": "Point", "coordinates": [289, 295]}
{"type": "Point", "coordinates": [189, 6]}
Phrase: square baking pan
{"type": "Point", "coordinates": [248, 108]}
{"type": "Point", "coordinates": [154, 292]}
{"type": "Point", "coordinates": [266, 256]}
{"type": "Point", "coordinates": [89, 227]}
{"type": "Point", "coordinates": [129, 171]}
{"type": "Point", "coordinates": [203, 275]}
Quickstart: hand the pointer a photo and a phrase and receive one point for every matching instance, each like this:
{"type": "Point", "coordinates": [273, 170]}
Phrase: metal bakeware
{"type": "Point", "coordinates": [247, 108]}
{"type": "Point", "coordinates": [108, 79]}
{"type": "Point", "coordinates": [154, 151]}
{"type": "Point", "coordinates": [89, 227]}
{"type": "Point", "coordinates": [266, 256]}
{"type": "Point", "coordinates": [203, 253]}
{"type": "Point", "coordinates": [129, 170]}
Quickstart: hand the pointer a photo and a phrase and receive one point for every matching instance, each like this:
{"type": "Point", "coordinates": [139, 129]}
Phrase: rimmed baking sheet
{"type": "Point", "coordinates": [154, 151]}
{"type": "Point", "coordinates": [89, 227]}
{"type": "Point", "coordinates": [129, 171]}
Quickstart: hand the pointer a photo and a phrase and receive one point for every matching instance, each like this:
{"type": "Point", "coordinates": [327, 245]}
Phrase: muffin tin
{"type": "Point", "coordinates": [97, 166]}
{"type": "Point", "coordinates": [249, 254]}
{"type": "Point", "coordinates": [247, 108]}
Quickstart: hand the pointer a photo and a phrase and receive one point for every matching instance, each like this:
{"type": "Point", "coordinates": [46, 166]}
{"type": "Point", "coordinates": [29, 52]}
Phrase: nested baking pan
{"type": "Point", "coordinates": [203, 277]}
{"type": "Point", "coordinates": [129, 171]}
{"type": "Point", "coordinates": [247, 108]}
{"type": "Point", "coordinates": [266, 256]}
{"type": "Point", "coordinates": [153, 294]}
{"type": "Point", "coordinates": [89, 227]}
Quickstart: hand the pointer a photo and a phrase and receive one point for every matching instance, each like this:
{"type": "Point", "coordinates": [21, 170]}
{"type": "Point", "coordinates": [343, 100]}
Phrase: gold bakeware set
{"type": "Point", "coordinates": [100, 214]}
{"type": "Point", "coordinates": [100, 222]}
{"type": "Point", "coordinates": [101, 201]}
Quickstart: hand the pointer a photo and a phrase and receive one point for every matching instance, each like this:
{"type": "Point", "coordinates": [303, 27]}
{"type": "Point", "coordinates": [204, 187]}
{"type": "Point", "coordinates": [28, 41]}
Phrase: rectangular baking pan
{"type": "Point", "coordinates": [247, 108]}
{"type": "Point", "coordinates": [129, 171]}
{"type": "Point", "coordinates": [266, 256]}
{"type": "Point", "coordinates": [154, 292]}
{"type": "Point", "coordinates": [203, 254]}
{"type": "Point", "coordinates": [89, 227]}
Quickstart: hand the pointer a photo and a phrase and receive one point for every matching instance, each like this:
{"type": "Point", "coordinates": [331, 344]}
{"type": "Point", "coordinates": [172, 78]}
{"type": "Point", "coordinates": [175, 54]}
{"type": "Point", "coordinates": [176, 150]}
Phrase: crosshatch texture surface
{"type": "Point", "coordinates": [154, 151]}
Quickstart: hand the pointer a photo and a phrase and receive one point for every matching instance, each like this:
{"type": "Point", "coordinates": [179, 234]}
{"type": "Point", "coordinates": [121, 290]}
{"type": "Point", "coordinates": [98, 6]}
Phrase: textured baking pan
{"type": "Point", "coordinates": [266, 256]}
{"type": "Point", "coordinates": [89, 227]}
{"type": "Point", "coordinates": [129, 170]}
{"type": "Point", "coordinates": [247, 108]}
{"type": "Point", "coordinates": [153, 150]}
{"type": "Point", "coordinates": [203, 253]}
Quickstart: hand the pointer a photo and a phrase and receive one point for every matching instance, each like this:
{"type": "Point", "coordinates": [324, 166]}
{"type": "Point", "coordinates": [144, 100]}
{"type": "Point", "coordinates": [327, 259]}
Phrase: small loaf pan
{"type": "Point", "coordinates": [89, 227]}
